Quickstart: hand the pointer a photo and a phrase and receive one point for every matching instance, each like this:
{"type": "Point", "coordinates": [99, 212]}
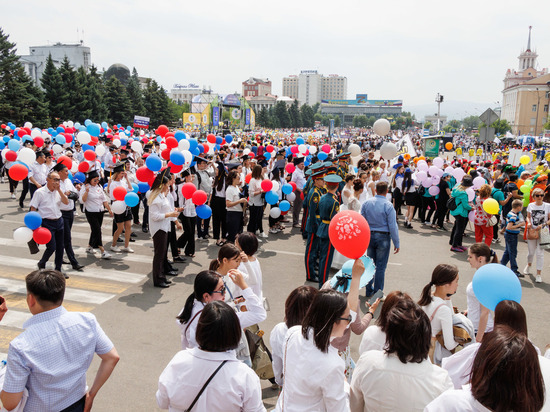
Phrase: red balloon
{"type": "Point", "coordinates": [3, 126]}
{"type": "Point", "coordinates": [38, 141]}
{"type": "Point", "coordinates": [293, 184]}
{"type": "Point", "coordinates": [162, 130]}
{"type": "Point", "coordinates": [325, 148]}
{"type": "Point", "coordinates": [41, 235]}
{"type": "Point", "coordinates": [144, 175]}
{"type": "Point", "coordinates": [169, 134]}
{"type": "Point", "coordinates": [205, 148]}
{"type": "Point", "coordinates": [26, 129]}
{"type": "Point", "coordinates": [11, 156]}
{"type": "Point", "coordinates": [175, 168]}
{"type": "Point", "coordinates": [171, 142]}
{"type": "Point", "coordinates": [165, 154]}
{"type": "Point", "coordinates": [290, 168]}
{"type": "Point", "coordinates": [18, 172]}
{"type": "Point", "coordinates": [188, 189]}
{"type": "Point", "coordinates": [66, 161]}
{"type": "Point", "coordinates": [94, 141]}
{"type": "Point", "coordinates": [267, 185]}
{"type": "Point", "coordinates": [349, 233]}
{"type": "Point", "coordinates": [247, 178]}
{"type": "Point", "coordinates": [251, 155]}
{"type": "Point", "coordinates": [84, 167]}
{"type": "Point", "coordinates": [68, 137]}
{"type": "Point", "coordinates": [199, 197]}
{"type": "Point", "coordinates": [269, 148]}
{"type": "Point", "coordinates": [211, 138]}
{"type": "Point", "coordinates": [119, 193]}
{"type": "Point", "coordinates": [294, 149]}
{"type": "Point", "coordinates": [90, 155]}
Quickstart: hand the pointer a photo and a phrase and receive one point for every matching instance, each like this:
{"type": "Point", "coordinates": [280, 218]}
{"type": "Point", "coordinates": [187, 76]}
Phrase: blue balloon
{"type": "Point", "coordinates": [123, 142]}
{"type": "Point", "coordinates": [128, 128]}
{"type": "Point", "coordinates": [267, 155]}
{"type": "Point", "coordinates": [71, 177]}
{"type": "Point", "coordinates": [79, 177]}
{"type": "Point", "coordinates": [300, 141]}
{"type": "Point", "coordinates": [105, 186]}
{"type": "Point", "coordinates": [60, 129]}
{"type": "Point", "coordinates": [271, 197]}
{"type": "Point", "coordinates": [14, 145]}
{"type": "Point", "coordinates": [180, 135]}
{"type": "Point", "coordinates": [322, 156]}
{"type": "Point", "coordinates": [77, 125]}
{"type": "Point", "coordinates": [27, 138]}
{"type": "Point", "coordinates": [87, 147]}
{"type": "Point", "coordinates": [287, 188]}
{"type": "Point", "coordinates": [135, 188]}
{"type": "Point", "coordinates": [192, 144]}
{"type": "Point", "coordinates": [2, 145]}
{"type": "Point", "coordinates": [219, 140]}
{"type": "Point", "coordinates": [104, 125]}
{"type": "Point", "coordinates": [228, 138]}
{"type": "Point", "coordinates": [93, 129]}
{"type": "Point", "coordinates": [16, 135]}
{"type": "Point", "coordinates": [119, 125]}
{"type": "Point", "coordinates": [153, 163]}
{"type": "Point", "coordinates": [203, 211]}
{"type": "Point", "coordinates": [159, 139]}
{"type": "Point", "coordinates": [87, 122]}
{"type": "Point", "coordinates": [131, 199]}
{"type": "Point", "coordinates": [33, 220]}
{"type": "Point", "coordinates": [307, 162]}
{"type": "Point", "coordinates": [81, 128]}
{"type": "Point", "coordinates": [201, 149]}
{"type": "Point", "coordinates": [284, 206]}
{"type": "Point", "coordinates": [193, 163]}
{"type": "Point", "coordinates": [493, 283]}
{"type": "Point", "coordinates": [60, 139]}
{"type": "Point", "coordinates": [177, 158]}
{"type": "Point", "coordinates": [143, 187]}
{"type": "Point", "coordinates": [6, 139]}
{"type": "Point", "coordinates": [195, 151]}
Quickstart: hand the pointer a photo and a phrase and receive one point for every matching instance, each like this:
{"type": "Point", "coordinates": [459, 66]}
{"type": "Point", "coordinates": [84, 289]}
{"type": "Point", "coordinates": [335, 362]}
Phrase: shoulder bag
{"type": "Point", "coordinates": [204, 386]}
{"type": "Point", "coordinates": [544, 238]}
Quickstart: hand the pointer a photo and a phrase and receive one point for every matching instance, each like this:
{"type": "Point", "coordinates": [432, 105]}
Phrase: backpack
{"type": "Point", "coordinates": [451, 203]}
{"type": "Point", "coordinates": [421, 190]}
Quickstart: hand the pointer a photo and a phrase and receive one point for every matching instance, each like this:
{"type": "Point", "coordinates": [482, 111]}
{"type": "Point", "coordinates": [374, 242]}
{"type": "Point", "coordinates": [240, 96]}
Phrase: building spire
{"type": "Point", "coordinates": [529, 40]}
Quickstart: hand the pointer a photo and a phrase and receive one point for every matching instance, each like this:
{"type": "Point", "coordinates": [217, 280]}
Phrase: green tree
{"type": "Point", "coordinates": [96, 96]}
{"type": "Point", "coordinates": [263, 117]}
{"type": "Point", "coordinates": [55, 94]}
{"type": "Point", "coordinates": [318, 117]}
{"type": "Point", "coordinates": [306, 111]}
{"type": "Point", "coordinates": [455, 124]}
{"type": "Point", "coordinates": [337, 121]}
{"type": "Point", "coordinates": [501, 126]}
{"type": "Point", "coordinates": [547, 124]}
{"type": "Point", "coordinates": [118, 105]}
{"type": "Point", "coordinates": [295, 117]}
{"type": "Point", "coordinates": [281, 113]}
{"type": "Point", "coordinates": [176, 111]}
{"type": "Point", "coordinates": [74, 90]}
{"type": "Point", "coordinates": [471, 122]}
{"type": "Point", "coordinates": [372, 119]}
{"type": "Point", "coordinates": [186, 107]}
{"type": "Point", "coordinates": [360, 121]}
{"type": "Point", "coordinates": [316, 107]}
{"type": "Point", "coordinates": [447, 128]}
{"type": "Point", "coordinates": [135, 95]}
{"type": "Point", "coordinates": [428, 125]}
{"type": "Point", "coordinates": [83, 106]}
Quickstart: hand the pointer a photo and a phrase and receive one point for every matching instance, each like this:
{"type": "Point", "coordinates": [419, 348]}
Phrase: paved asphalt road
{"type": "Point", "coordinates": [140, 319]}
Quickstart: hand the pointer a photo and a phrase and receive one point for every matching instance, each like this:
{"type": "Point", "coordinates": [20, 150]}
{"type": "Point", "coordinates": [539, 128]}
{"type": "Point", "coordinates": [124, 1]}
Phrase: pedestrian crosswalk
{"type": "Point", "coordinates": [99, 282]}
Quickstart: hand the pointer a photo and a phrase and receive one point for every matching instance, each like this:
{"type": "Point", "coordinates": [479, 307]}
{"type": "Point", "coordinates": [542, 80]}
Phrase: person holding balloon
{"type": "Point", "coordinates": [188, 218]}
{"type": "Point", "coordinates": [122, 220]}
{"type": "Point", "coordinates": [35, 179]}
{"type": "Point", "coordinates": [481, 217]}
{"type": "Point", "coordinates": [538, 219]}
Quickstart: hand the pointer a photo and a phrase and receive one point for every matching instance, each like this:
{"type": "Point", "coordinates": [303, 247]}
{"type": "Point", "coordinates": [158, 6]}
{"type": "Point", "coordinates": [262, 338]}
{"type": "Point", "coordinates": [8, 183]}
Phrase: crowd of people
{"type": "Point", "coordinates": [408, 358]}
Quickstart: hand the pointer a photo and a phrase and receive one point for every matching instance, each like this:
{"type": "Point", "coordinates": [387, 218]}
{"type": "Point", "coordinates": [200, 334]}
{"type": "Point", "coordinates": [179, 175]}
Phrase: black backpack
{"type": "Point", "coordinates": [451, 203]}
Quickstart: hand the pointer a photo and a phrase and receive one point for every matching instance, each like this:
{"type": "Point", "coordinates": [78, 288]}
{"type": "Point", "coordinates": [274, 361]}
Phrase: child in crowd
{"type": "Point", "coordinates": [248, 244]}
{"type": "Point", "coordinates": [514, 221]}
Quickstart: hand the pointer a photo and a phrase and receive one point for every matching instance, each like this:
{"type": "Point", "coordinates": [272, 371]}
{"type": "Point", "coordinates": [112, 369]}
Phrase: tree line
{"type": "Point", "coordinates": [69, 94]}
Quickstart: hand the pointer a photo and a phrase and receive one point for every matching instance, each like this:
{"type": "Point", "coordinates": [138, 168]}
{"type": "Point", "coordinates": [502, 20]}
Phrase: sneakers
{"type": "Point", "coordinates": [457, 249]}
{"type": "Point", "coordinates": [538, 279]}
{"type": "Point", "coordinates": [273, 230]}
{"type": "Point", "coordinates": [263, 234]}
{"type": "Point", "coordinates": [115, 249]}
{"type": "Point", "coordinates": [106, 255]}
{"type": "Point", "coordinates": [90, 249]}
{"type": "Point", "coordinates": [519, 274]}
{"type": "Point", "coordinates": [464, 248]}
{"type": "Point", "coordinates": [13, 195]}
{"type": "Point", "coordinates": [127, 250]}
{"type": "Point", "coordinates": [527, 269]}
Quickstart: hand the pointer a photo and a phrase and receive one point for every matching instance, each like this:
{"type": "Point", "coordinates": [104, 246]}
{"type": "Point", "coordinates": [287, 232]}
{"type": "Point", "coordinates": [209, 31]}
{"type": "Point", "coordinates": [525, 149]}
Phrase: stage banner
{"type": "Point", "coordinates": [247, 117]}
{"type": "Point", "coordinates": [216, 116]}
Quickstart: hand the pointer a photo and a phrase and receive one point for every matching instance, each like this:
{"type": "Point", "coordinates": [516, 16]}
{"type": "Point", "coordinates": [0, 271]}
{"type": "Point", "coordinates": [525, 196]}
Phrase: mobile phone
{"type": "Point", "coordinates": [377, 295]}
{"type": "Point", "coordinates": [2, 300]}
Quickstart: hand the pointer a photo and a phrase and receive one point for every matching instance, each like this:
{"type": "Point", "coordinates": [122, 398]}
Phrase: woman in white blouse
{"type": "Point", "coordinates": [234, 386]}
{"type": "Point", "coordinates": [123, 220]}
{"type": "Point", "coordinates": [95, 202]}
{"type": "Point", "coordinates": [439, 308]}
{"type": "Point", "coordinates": [161, 214]}
{"type": "Point", "coordinates": [234, 202]}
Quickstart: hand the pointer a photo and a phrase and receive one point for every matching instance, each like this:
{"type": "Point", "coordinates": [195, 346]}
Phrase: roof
{"type": "Point", "coordinates": [544, 79]}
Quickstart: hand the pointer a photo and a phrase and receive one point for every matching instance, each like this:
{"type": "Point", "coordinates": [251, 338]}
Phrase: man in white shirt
{"type": "Point", "coordinates": [203, 181]}
{"type": "Point", "coordinates": [47, 201]}
{"type": "Point", "coordinates": [36, 178]}
{"type": "Point", "coordinates": [298, 177]}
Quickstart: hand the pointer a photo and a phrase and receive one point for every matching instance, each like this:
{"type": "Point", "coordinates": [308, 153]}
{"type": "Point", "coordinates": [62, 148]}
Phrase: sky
{"type": "Point", "coordinates": [408, 50]}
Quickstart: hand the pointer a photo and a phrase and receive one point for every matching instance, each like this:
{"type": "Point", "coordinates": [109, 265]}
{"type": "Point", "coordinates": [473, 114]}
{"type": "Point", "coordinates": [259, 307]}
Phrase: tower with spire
{"type": "Point", "coordinates": [527, 68]}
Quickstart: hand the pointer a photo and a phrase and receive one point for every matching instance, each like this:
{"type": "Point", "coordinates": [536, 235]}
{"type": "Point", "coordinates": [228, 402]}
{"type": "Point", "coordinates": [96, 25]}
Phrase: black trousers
{"type": "Point", "coordinates": [78, 406]}
{"type": "Point", "coordinates": [219, 216]}
{"type": "Point", "coordinates": [255, 218]}
{"type": "Point", "coordinates": [13, 184]}
{"type": "Point", "coordinates": [160, 245]}
{"type": "Point", "coordinates": [187, 239]}
{"type": "Point", "coordinates": [458, 231]}
{"type": "Point", "coordinates": [68, 218]}
{"type": "Point", "coordinates": [95, 220]}
{"type": "Point", "coordinates": [55, 245]}
{"type": "Point", "coordinates": [426, 202]}
{"type": "Point", "coordinates": [32, 188]}
{"type": "Point", "coordinates": [441, 211]}
{"type": "Point", "coordinates": [25, 189]}
{"type": "Point", "coordinates": [172, 240]}
{"type": "Point", "coordinates": [234, 224]}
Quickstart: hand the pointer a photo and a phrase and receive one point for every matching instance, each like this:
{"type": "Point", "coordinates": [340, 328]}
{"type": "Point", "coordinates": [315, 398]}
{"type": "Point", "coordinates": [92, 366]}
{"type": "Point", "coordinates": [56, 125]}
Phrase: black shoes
{"type": "Point", "coordinates": [172, 273]}
{"type": "Point", "coordinates": [145, 229]}
{"type": "Point", "coordinates": [66, 276]}
{"type": "Point", "coordinates": [78, 267]}
{"type": "Point", "coordinates": [179, 259]}
{"type": "Point", "coordinates": [133, 234]}
{"type": "Point", "coordinates": [163, 284]}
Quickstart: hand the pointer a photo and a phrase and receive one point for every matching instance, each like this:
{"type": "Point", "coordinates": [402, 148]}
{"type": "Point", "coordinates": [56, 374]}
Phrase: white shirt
{"type": "Point", "coordinates": [234, 388]}
{"type": "Point", "coordinates": [255, 200]}
{"type": "Point", "coordinates": [277, 341]}
{"type": "Point", "coordinates": [299, 178]}
{"type": "Point", "coordinates": [474, 310]}
{"type": "Point", "coordinates": [381, 382]}
{"type": "Point", "coordinates": [373, 339]}
{"type": "Point", "coordinates": [39, 172]}
{"type": "Point", "coordinates": [47, 203]}
{"type": "Point", "coordinates": [442, 320]}
{"type": "Point", "coordinates": [94, 201]}
{"type": "Point", "coordinates": [313, 381]}
{"type": "Point", "coordinates": [157, 211]}
{"type": "Point", "coordinates": [65, 186]}
{"type": "Point", "coordinates": [232, 194]}
{"type": "Point", "coordinates": [456, 401]}
{"type": "Point", "coordinates": [114, 184]}
{"type": "Point", "coordinates": [254, 280]}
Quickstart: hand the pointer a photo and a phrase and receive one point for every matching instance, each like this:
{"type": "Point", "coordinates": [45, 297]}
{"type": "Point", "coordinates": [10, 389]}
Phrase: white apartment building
{"type": "Point", "coordinates": [310, 87]}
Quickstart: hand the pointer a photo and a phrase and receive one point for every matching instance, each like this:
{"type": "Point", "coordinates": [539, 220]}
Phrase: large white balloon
{"type": "Point", "coordinates": [45, 135]}
{"type": "Point", "coordinates": [28, 124]}
{"type": "Point", "coordinates": [36, 133]}
{"type": "Point", "coordinates": [100, 150]}
{"type": "Point", "coordinates": [136, 146]}
{"type": "Point", "coordinates": [84, 137]}
{"type": "Point", "coordinates": [74, 166]}
{"type": "Point", "coordinates": [276, 186]}
{"type": "Point", "coordinates": [57, 149]}
{"type": "Point", "coordinates": [246, 151]}
{"type": "Point", "coordinates": [312, 149]}
{"type": "Point", "coordinates": [438, 162]}
{"type": "Point", "coordinates": [291, 197]}
{"type": "Point", "coordinates": [118, 207]}
{"type": "Point", "coordinates": [187, 156]}
{"type": "Point", "coordinates": [302, 148]}
{"type": "Point", "coordinates": [4, 151]}
{"type": "Point", "coordinates": [116, 142]}
{"type": "Point", "coordinates": [275, 212]}
{"type": "Point", "coordinates": [70, 123]}
{"type": "Point", "coordinates": [183, 145]}
{"type": "Point", "coordinates": [381, 127]}
{"type": "Point", "coordinates": [22, 235]}
{"type": "Point", "coordinates": [354, 149]}
{"type": "Point", "coordinates": [27, 156]}
{"type": "Point", "coordinates": [163, 146]}
{"type": "Point", "coordinates": [388, 151]}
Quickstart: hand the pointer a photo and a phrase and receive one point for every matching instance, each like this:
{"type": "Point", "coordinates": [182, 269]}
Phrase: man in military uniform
{"type": "Point", "coordinates": [328, 207]}
{"type": "Point", "coordinates": [343, 168]}
{"type": "Point", "coordinates": [307, 187]}
{"type": "Point", "coordinates": [312, 244]}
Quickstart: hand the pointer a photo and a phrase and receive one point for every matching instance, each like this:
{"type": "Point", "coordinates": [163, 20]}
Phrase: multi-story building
{"type": "Point", "coordinates": [526, 94]}
{"type": "Point", "coordinates": [35, 62]}
{"type": "Point", "coordinates": [254, 87]}
{"type": "Point", "coordinates": [184, 93]}
{"type": "Point", "coordinates": [310, 87]}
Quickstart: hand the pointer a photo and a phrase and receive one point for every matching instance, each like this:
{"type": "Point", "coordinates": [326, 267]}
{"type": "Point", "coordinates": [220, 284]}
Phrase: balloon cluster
{"type": "Point", "coordinates": [32, 230]}
{"type": "Point", "coordinates": [430, 176]}
{"type": "Point", "coordinates": [198, 197]}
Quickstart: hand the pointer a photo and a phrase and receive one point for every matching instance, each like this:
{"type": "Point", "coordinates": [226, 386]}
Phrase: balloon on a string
{"type": "Point", "coordinates": [42, 235]}
{"type": "Point", "coordinates": [271, 198]}
{"type": "Point", "coordinates": [199, 197]}
{"type": "Point", "coordinates": [493, 283]}
{"type": "Point", "coordinates": [291, 197]}
{"type": "Point", "coordinates": [153, 163]}
{"type": "Point", "coordinates": [18, 172]}
{"type": "Point", "coordinates": [266, 185]}
{"type": "Point", "coordinates": [27, 156]}
{"type": "Point", "coordinates": [143, 187]}
{"type": "Point", "coordinates": [354, 149]}
{"type": "Point", "coordinates": [286, 188]}
{"type": "Point", "coordinates": [84, 137]}
{"type": "Point", "coordinates": [131, 199]}
{"type": "Point", "coordinates": [490, 205]}
{"type": "Point", "coordinates": [187, 190]}
{"type": "Point", "coordinates": [275, 212]}
{"type": "Point", "coordinates": [118, 207]}
{"type": "Point", "coordinates": [349, 233]}
{"type": "Point", "coordinates": [290, 168]}
{"type": "Point", "coordinates": [325, 148]}
{"type": "Point", "coordinates": [32, 220]}
{"type": "Point", "coordinates": [119, 193]}
{"type": "Point", "coordinates": [203, 211]}
{"type": "Point", "coordinates": [22, 235]}
{"type": "Point", "coordinates": [144, 174]}
{"type": "Point", "coordinates": [381, 127]}
{"type": "Point", "coordinates": [284, 206]}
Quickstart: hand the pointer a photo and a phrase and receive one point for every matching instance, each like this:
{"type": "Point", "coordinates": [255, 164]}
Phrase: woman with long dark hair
{"type": "Point", "coordinates": [408, 188]}
{"type": "Point", "coordinates": [255, 203]}
{"type": "Point", "coordinates": [219, 209]}
{"type": "Point", "coordinates": [234, 202]}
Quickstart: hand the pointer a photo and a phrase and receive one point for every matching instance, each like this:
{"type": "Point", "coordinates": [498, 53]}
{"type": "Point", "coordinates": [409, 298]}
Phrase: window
{"type": "Point", "coordinates": [545, 107]}
{"type": "Point", "coordinates": [533, 121]}
{"type": "Point", "coordinates": [534, 108]}
{"type": "Point", "coordinates": [547, 95]}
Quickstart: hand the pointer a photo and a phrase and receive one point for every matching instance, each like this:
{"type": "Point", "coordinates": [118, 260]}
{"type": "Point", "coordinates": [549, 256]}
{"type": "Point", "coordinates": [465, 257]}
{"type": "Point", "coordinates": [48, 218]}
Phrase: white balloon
{"type": "Point", "coordinates": [118, 207]}
{"type": "Point", "coordinates": [141, 132]}
{"type": "Point", "coordinates": [28, 124]}
{"type": "Point", "coordinates": [27, 156]}
{"type": "Point", "coordinates": [116, 142]}
{"type": "Point", "coordinates": [136, 146]}
{"type": "Point", "coordinates": [246, 151]}
{"type": "Point", "coordinates": [4, 151]}
{"type": "Point", "coordinates": [421, 176]}
{"type": "Point", "coordinates": [163, 146]}
{"type": "Point", "coordinates": [291, 197]}
{"type": "Point", "coordinates": [388, 151]}
{"type": "Point", "coordinates": [312, 149]}
{"type": "Point", "coordinates": [187, 156]}
{"type": "Point", "coordinates": [438, 162]}
{"type": "Point", "coordinates": [57, 149]}
{"type": "Point", "coordinates": [423, 166]}
{"type": "Point", "coordinates": [65, 124]}
{"type": "Point", "coordinates": [24, 234]}
{"type": "Point", "coordinates": [302, 148]}
{"type": "Point", "coordinates": [184, 145]}
{"type": "Point", "coordinates": [276, 186]}
{"type": "Point", "coordinates": [74, 166]}
{"type": "Point", "coordinates": [45, 135]}
{"type": "Point", "coordinates": [275, 212]}
{"type": "Point", "coordinates": [70, 123]}
{"type": "Point", "coordinates": [100, 150]}
{"type": "Point", "coordinates": [36, 133]}
{"type": "Point", "coordinates": [381, 127]}
{"type": "Point", "coordinates": [354, 149]}
{"type": "Point", "coordinates": [84, 137]}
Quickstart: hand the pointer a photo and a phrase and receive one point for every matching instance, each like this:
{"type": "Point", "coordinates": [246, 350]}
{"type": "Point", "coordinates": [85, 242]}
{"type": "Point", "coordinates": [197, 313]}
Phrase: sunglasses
{"type": "Point", "coordinates": [221, 291]}
{"type": "Point", "coordinates": [538, 195]}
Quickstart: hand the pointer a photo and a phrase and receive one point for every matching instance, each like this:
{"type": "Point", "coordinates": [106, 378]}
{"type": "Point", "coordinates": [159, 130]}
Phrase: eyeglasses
{"type": "Point", "coordinates": [538, 195]}
{"type": "Point", "coordinates": [349, 318]}
{"type": "Point", "coordinates": [221, 291]}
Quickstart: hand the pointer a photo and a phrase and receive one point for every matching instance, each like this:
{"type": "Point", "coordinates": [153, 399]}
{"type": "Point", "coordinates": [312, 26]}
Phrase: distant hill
{"type": "Point", "coordinates": [452, 109]}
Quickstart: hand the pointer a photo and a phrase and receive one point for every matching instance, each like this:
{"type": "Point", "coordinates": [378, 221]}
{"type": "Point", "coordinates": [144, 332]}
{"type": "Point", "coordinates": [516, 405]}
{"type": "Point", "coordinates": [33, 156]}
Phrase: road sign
{"type": "Point", "coordinates": [486, 134]}
{"type": "Point", "coordinates": [489, 117]}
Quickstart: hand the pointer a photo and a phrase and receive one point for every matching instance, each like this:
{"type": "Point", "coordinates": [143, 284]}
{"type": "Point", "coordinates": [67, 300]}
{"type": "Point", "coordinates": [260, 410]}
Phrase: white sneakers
{"type": "Point", "coordinates": [13, 195]}
{"type": "Point", "coordinates": [263, 234]}
{"type": "Point", "coordinates": [127, 249]}
{"type": "Point", "coordinates": [538, 279]}
{"type": "Point", "coordinates": [115, 249]}
{"type": "Point", "coordinates": [90, 249]}
{"type": "Point", "coordinates": [106, 255]}
{"type": "Point", "coordinates": [527, 270]}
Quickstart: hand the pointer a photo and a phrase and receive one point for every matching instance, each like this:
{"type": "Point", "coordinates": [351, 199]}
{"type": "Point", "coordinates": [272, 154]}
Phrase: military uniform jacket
{"type": "Point", "coordinates": [313, 217]}
{"type": "Point", "coordinates": [328, 207]}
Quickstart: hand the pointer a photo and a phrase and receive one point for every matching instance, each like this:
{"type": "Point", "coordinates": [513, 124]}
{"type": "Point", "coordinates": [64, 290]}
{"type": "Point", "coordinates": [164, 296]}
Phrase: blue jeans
{"type": "Point", "coordinates": [511, 251]}
{"type": "Point", "coordinates": [379, 252]}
